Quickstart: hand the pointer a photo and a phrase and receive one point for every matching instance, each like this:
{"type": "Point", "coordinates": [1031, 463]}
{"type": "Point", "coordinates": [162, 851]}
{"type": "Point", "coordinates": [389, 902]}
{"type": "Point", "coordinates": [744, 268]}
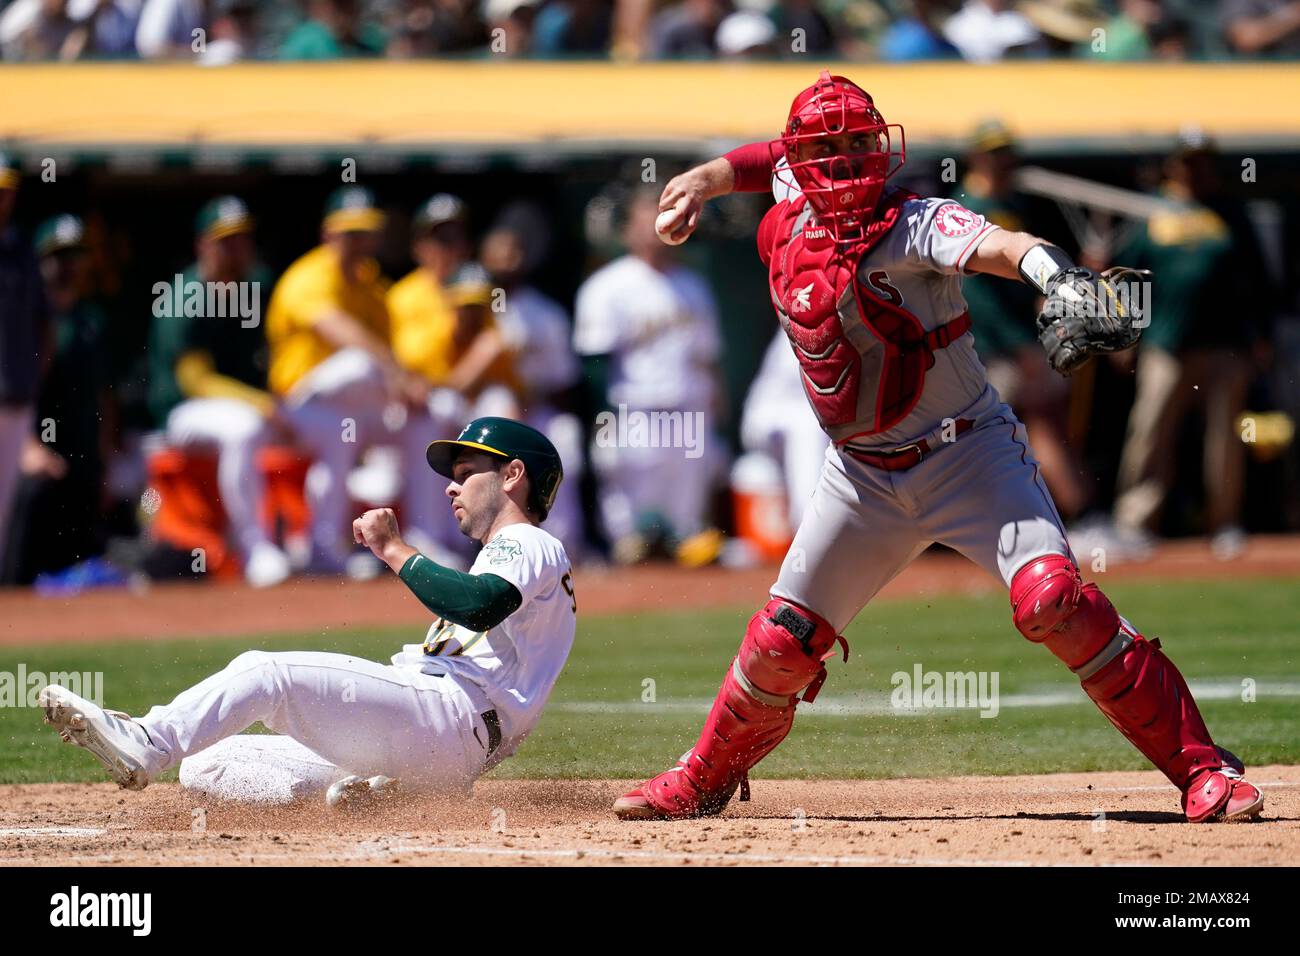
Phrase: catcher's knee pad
{"type": "Point", "coordinates": [1051, 605]}
{"type": "Point", "coordinates": [785, 650]}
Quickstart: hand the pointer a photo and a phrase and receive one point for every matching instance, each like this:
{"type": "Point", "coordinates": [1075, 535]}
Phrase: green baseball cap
{"type": "Point", "coordinates": [223, 216]}
{"type": "Point", "coordinates": [9, 175]}
{"type": "Point", "coordinates": [438, 209]}
{"type": "Point", "coordinates": [60, 233]}
{"type": "Point", "coordinates": [990, 135]}
{"type": "Point", "coordinates": [507, 439]}
{"type": "Point", "coordinates": [353, 209]}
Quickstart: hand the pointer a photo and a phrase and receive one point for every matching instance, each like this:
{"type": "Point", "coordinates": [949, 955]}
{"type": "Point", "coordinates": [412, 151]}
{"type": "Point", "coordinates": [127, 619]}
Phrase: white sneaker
{"type": "Point", "coordinates": [117, 741]}
{"type": "Point", "coordinates": [267, 566]}
{"type": "Point", "coordinates": [1228, 543]}
{"type": "Point", "coordinates": [355, 793]}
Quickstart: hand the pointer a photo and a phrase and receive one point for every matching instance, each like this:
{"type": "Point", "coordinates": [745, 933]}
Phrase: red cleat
{"type": "Point", "coordinates": [672, 795]}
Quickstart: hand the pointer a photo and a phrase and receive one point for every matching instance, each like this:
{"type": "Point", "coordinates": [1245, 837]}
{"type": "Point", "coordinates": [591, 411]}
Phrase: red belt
{"type": "Point", "coordinates": [905, 456]}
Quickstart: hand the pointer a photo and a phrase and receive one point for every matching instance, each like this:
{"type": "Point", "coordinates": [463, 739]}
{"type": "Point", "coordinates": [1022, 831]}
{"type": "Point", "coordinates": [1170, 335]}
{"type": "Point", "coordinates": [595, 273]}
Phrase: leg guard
{"type": "Point", "coordinates": [782, 655]}
{"type": "Point", "coordinates": [1131, 681]}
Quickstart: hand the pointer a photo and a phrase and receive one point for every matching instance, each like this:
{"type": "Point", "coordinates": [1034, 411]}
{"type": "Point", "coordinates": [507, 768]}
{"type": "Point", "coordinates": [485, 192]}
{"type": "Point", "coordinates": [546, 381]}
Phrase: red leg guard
{"type": "Point", "coordinates": [1131, 681]}
{"type": "Point", "coordinates": [783, 653]}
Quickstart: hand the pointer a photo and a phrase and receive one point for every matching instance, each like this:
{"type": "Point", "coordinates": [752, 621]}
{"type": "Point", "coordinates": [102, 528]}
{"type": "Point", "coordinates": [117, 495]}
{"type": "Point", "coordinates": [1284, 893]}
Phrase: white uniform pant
{"type": "Point", "coordinates": [637, 479]}
{"type": "Point", "coordinates": [15, 426]}
{"type": "Point", "coordinates": [981, 495]}
{"type": "Point", "coordinates": [336, 411]}
{"type": "Point", "coordinates": [354, 715]}
{"type": "Point", "coordinates": [236, 432]}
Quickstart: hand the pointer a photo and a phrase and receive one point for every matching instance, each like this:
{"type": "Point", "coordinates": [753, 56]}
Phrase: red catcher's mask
{"type": "Point", "coordinates": [843, 178]}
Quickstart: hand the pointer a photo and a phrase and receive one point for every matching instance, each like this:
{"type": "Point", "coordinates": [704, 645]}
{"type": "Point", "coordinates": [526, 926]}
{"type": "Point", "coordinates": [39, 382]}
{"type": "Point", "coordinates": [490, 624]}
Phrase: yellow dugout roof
{"type": "Point", "coordinates": [438, 105]}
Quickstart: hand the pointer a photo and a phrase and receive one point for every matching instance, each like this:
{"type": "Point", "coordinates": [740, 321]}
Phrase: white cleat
{"type": "Point", "coordinates": [355, 793]}
{"type": "Point", "coordinates": [116, 741]}
{"type": "Point", "coordinates": [267, 566]}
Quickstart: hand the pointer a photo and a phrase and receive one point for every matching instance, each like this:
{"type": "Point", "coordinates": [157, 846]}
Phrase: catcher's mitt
{"type": "Point", "coordinates": [1086, 313]}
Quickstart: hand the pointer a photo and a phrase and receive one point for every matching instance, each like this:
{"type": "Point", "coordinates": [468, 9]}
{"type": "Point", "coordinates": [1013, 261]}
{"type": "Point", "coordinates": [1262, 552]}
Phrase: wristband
{"type": "Point", "coordinates": [1041, 264]}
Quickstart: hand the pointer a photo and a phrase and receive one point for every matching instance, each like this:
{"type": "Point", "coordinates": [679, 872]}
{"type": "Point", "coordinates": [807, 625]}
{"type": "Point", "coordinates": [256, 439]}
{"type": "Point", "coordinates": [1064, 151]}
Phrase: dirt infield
{"type": "Point", "coordinates": [310, 604]}
{"type": "Point", "coordinates": [1079, 819]}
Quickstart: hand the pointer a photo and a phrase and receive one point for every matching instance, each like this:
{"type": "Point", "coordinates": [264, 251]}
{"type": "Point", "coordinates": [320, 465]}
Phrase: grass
{"type": "Point", "coordinates": [597, 725]}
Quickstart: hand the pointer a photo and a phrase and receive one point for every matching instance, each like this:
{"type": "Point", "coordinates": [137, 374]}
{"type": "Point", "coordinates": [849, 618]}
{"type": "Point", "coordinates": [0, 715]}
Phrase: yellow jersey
{"type": "Point", "coordinates": [311, 287]}
{"type": "Point", "coordinates": [423, 317]}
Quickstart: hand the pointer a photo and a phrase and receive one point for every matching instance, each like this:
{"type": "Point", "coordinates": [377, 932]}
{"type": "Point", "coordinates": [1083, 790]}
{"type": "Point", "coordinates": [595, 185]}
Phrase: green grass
{"type": "Point", "coordinates": [1221, 632]}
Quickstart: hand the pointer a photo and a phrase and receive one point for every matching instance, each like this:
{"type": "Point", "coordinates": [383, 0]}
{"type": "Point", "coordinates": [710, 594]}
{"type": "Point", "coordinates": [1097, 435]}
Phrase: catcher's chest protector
{"type": "Point", "coordinates": [863, 357]}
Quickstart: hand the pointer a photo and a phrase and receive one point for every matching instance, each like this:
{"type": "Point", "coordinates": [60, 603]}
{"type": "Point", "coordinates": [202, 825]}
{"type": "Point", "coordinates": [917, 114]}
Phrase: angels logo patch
{"type": "Point", "coordinates": [953, 220]}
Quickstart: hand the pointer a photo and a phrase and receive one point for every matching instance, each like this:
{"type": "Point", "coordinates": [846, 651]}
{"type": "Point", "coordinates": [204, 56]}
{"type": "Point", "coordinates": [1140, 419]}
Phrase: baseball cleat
{"type": "Point", "coordinates": [355, 793]}
{"type": "Point", "coordinates": [671, 796]}
{"type": "Point", "coordinates": [1223, 796]}
{"type": "Point", "coordinates": [113, 738]}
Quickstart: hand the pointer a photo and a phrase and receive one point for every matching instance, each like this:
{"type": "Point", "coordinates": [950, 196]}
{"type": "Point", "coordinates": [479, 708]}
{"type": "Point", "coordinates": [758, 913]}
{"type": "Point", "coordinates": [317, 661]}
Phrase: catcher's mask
{"type": "Point", "coordinates": [842, 177]}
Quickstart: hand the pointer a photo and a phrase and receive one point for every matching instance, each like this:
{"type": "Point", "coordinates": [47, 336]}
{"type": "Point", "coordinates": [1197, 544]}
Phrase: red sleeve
{"type": "Point", "coordinates": [767, 232]}
{"type": "Point", "coordinates": [753, 164]}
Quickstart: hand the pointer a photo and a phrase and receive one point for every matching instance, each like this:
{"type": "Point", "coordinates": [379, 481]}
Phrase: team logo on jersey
{"type": "Point", "coordinates": [953, 221]}
{"type": "Point", "coordinates": [802, 300]}
{"type": "Point", "coordinates": [502, 550]}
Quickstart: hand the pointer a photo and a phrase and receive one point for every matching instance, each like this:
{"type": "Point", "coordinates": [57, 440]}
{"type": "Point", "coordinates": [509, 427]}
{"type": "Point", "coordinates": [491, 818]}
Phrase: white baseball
{"type": "Point", "coordinates": [668, 221]}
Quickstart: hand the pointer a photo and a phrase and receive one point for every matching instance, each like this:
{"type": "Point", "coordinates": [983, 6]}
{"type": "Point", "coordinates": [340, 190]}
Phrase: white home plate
{"type": "Point", "coordinates": [52, 831]}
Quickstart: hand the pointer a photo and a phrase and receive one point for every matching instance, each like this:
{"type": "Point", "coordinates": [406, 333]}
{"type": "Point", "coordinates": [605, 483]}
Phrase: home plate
{"type": "Point", "coordinates": [52, 831]}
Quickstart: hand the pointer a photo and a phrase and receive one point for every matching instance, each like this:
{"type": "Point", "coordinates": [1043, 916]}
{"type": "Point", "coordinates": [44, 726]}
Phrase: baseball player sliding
{"type": "Point", "coordinates": [438, 716]}
{"type": "Point", "coordinates": [866, 281]}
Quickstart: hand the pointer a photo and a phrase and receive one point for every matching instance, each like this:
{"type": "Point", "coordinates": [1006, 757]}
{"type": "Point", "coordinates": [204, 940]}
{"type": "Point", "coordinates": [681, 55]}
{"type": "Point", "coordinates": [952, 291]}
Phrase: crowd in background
{"type": "Point", "coordinates": [223, 31]}
{"type": "Point", "coordinates": [355, 372]}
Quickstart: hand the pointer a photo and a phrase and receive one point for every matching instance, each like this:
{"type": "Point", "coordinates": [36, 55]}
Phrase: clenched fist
{"type": "Point", "coordinates": [377, 530]}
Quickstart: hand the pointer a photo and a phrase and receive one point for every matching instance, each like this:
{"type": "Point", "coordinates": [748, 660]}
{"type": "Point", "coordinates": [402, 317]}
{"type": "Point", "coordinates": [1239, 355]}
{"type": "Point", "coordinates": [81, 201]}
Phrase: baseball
{"type": "Point", "coordinates": [668, 221]}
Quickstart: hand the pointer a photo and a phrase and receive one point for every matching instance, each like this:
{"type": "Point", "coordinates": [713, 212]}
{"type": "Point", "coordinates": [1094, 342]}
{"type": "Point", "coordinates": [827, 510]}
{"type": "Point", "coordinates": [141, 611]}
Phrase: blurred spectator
{"type": "Point", "coordinates": [1261, 27]}
{"type": "Point", "coordinates": [1142, 30]}
{"type": "Point", "coordinates": [537, 333]}
{"type": "Point", "coordinates": [333, 30]}
{"type": "Point", "coordinates": [573, 28]}
{"type": "Point", "coordinates": [746, 34]}
{"type": "Point", "coordinates": [647, 329]}
{"type": "Point", "coordinates": [330, 364]}
{"type": "Point", "coordinates": [167, 28]}
{"type": "Point", "coordinates": [233, 35]}
{"type": "Point", "coordinates": [988, 30]}
{"type": "Point", "coordinates": [515, 19]}
{"type": "Point", "coordinates": [1209, 318]}
{"type": "Point", "coordinates": [421, 28]}
{"type": "Point", "coordinates": [23, 329]}
{"type": "Point", "coordinates": [207, 378]}
{"type": "Point", "coordinates": [1065, 27]}
{"type": "Point", "coordinates": [36, 30]}
{"type": "Point", "coordinates": [442, 332]}
{"type": "Point", "coordinates": [1002, 316]}
{"type": "Point", "coordinates": [801, 29]}
{"type": "Point", "coordinates": [917, 35]}
{"type": "Point", "coordinates": [105, 29]}
{"type": "Point", "coordinates": [686, 30]}
{"type": "Point", "coordinates": [58, 515]}
{"type": "Point", "coordinates": [69, 29]}
{"type": "Point", "coordinates": [859, 25]}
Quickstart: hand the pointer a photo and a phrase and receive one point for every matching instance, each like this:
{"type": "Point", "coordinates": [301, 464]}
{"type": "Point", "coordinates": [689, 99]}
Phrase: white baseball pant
{"type": "Point", "coordinates": [236, 432]}
{"type": "Point", "coordinates": [360, 716]}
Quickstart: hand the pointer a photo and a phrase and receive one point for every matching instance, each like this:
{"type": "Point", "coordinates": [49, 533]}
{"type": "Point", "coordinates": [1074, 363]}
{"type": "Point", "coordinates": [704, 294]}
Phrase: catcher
{"type": "Point", "coordinates": [866, 281]}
